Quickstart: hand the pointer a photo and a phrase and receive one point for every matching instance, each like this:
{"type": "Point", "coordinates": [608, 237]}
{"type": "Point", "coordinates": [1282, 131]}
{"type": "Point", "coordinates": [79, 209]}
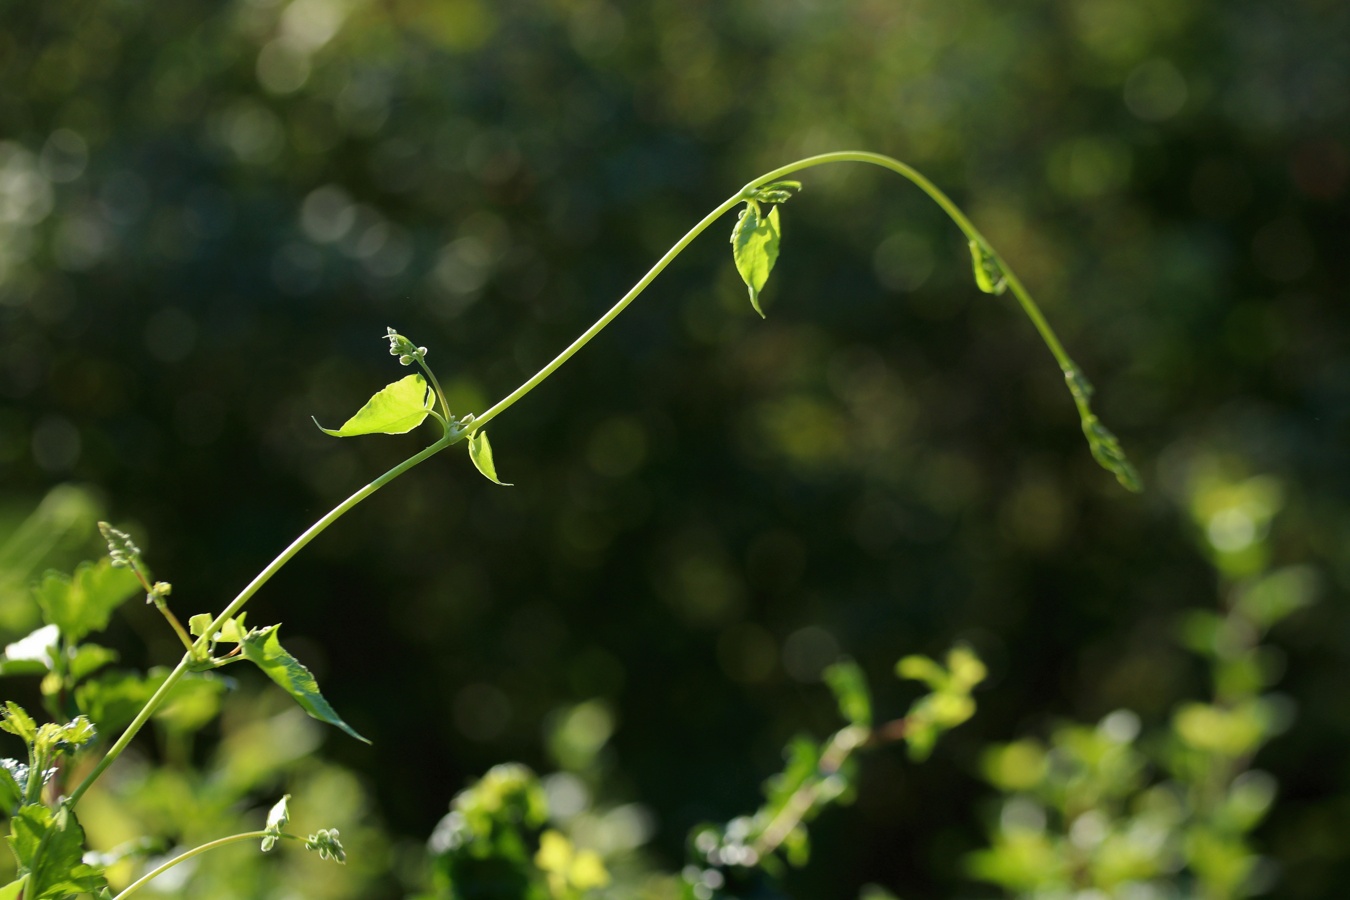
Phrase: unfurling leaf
{"type": "Point", "coordinates": [1106, 450]}
{"type": "Point", "coordinates": [754, 245]}
{"type": "Point", "coordinates": [480, 451]}
{"type": "Point", "coordinates": [778, 192]}
{"type": "Point", "coordinates": [276, 820]}
{"type": "Point", "coordinates": [16, 720]}
{"type": "Point", "coordinates": [262, 647]}
{"type": "Point", "coordinates": [397, 409]}
{"type": "Point", "coordinates": [325, 840]}
{"type": "Point", "coordinates": [989, 274]}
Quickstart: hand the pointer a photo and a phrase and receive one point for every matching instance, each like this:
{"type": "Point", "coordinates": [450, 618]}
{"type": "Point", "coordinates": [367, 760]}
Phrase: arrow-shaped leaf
{"type": "Point", "coordinates": [262, 647]}
{"type": "Point", "coordinates": [480, 451]}
{"type": "Point", "coordinates": [754, 245]}
{"type": "Point", "coordinates": [397, 409]}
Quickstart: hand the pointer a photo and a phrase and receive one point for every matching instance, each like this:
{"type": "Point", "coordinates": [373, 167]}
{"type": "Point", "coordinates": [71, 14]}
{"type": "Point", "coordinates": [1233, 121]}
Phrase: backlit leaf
{"type": "Point", "coordinates": [262, 647]}
{"type": "Point", "coordinates": [754, 245]}
{"type": "Point", "coordinates": [84, 603]}
{"type": "Point", "coordinates": [397, 409]}
{"type": "Point", "coordinates": [480, 451]}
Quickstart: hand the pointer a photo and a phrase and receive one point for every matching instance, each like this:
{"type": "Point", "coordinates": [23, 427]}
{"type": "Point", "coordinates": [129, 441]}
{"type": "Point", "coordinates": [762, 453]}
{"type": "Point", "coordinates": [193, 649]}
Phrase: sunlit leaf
{"type": "Point", "coordinates": [16, 721]}
{"type": "Point", "coordinates": [84, 603]}
{"type": "Point", "coordinates": [754, 245]}
{"type": "Point", "coordinates": [262, 647]}
{"type": "Point", "coordinates": [480, 451]}
{"type": "Point", "coordinates": [989, 274]}
{"type": "Point", "coordinates": [397, 409]}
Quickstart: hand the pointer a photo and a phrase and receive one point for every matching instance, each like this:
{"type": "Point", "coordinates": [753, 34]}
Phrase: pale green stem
{"type": "Point", "coordinates": [337, 512]}
{"type": "Point", "coordinates": [971, 232]}
{"type": "Point", "coordinates": [196, 851]}
{"type": "Point", "coordinates": [455, 434]}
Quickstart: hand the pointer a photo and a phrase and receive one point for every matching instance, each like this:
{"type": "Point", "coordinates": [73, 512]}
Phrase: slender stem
{"type": "Point", "coordinates": [933, 191]}
{"type": "Point", "coordinates": [337, 512]}
{"type": "Point", "coordinates": [196, 851]}
{"type": "Point", "coordinates": [836, 753]}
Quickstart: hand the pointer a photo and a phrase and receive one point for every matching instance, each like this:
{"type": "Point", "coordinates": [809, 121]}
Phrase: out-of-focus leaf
{"type": "Point", "coordinates": [82, 604]}
{"type": "Point", "coordinates": [849, 685]}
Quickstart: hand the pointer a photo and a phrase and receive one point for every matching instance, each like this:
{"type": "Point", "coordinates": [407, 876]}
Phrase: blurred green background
{"type": "Point", "coordinates": [209, 213]}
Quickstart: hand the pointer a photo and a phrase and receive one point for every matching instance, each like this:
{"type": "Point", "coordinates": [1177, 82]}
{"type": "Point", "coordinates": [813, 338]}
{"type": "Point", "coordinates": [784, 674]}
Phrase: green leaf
{"type": "Point", "coordinates": [276, 820]}
{"type": "Point", "coordinates": [1106, 450]}
{"type": "Point", "coordinates": [11, 891]}
{"type": "Point", "coordinates": [397, 409]}
{"type": "Point", "coordinates": [16, 721]}
{"type": "Point", "coordinates": [262, 647]}
{"type": "Point", "coordinates": [232, 632]}
{"type": "Point", "coordinates": [849, 685]}
{"type": "Point", "coordinates": [113, 700]}
{"type": "Point", "coordinates": [88, 659]}
{"type": "Point", "coordinates": [49, 847]}
{"type": "Point", "coordinates": [13, 780]}
{"type": "Point", "coordinates": [480, 451]}
{"type": "Point", "coordinates": [754, 246]}
{"type": "Point", "coordinates": [83, 604]}
{"type": "Point", "coordinates": [989, 274]}
{"type": "Point", "coordinates": [32, 654]}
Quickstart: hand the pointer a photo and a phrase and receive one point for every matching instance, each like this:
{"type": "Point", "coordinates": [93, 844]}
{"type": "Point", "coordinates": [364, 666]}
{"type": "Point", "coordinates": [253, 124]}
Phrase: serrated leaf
{"type": "Point", "coordinates": [754, 246]}
{"type": "Point", "coordinates": [17, 721]}
{"type": "Point", "coordinates": [31, 654]}
{"type": "Point", "coordinates": [396, 409]}
{"type": "Point", "coordinates": [58, 870]}
{"type": "Point", "coordinates": [989, 274]}
{"type": "Point", "coordinates": [13, 779]}
{"type": "Point", "coordinates": [84, 603]}
{"type": "Point", "coordinates": [480, 451]}
{"type": "Point", "coordinates": [276, 820]}
{"type": "Point", "coordinates": [262, 647]}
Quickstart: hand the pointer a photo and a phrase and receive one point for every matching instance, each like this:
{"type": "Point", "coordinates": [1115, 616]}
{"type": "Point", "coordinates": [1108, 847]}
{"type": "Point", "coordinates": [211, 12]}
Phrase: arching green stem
{"type": "Point", "coordinates": [452, 436]}
{"type": "Point", "coordinates": [197, 851]}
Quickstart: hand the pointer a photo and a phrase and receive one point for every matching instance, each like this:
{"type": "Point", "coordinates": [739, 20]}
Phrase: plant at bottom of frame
{"type": "Point", "coordinates": [1168, 814]}
{"type": "Point", "coordinates": [86, 697]}
{"type": "Point", "coordinates": [501, 841]}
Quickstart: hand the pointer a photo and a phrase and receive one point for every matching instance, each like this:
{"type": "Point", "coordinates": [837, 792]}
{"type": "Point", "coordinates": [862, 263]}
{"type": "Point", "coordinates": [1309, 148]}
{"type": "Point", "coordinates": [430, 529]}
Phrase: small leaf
{"type": "Point", "coordinates": [1106, 450]}
{"type": "Point", "coordinates": [325, 840]}
{"type": "Point", "coordinates": [989, 274]}
{"type": "Point", "coordinates": [16, 721]}
{"type": "Point", "coordinates": [754, 246]}
{"type": "Point", "coordinates": [84, 603]}
{"type": "Point", "coordinates": [397, 409]}
{"type": "Point", "coordinates": [480, 451]}
{"type": "Point", "coordinates": [262, 647]}
{"type": "Point", "coordinates": [232, 632]}
{"type": "Point", "coordinates": [276, 820]}
{"type": "Point", "coordinates": [13, 780]}
{"type": "Point", "coordinates": [849, 686]}
{"type": "Point", "coordinates": [49, 847]}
